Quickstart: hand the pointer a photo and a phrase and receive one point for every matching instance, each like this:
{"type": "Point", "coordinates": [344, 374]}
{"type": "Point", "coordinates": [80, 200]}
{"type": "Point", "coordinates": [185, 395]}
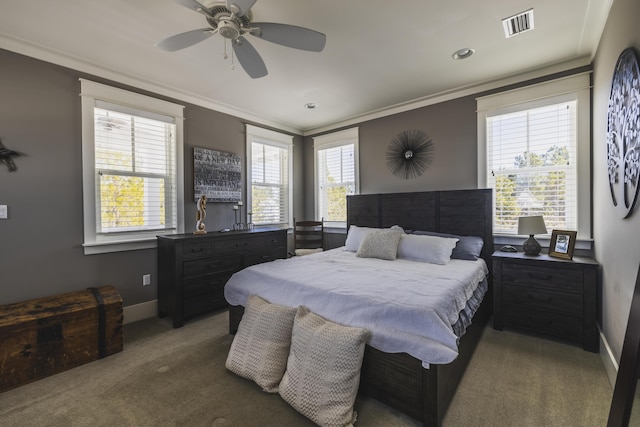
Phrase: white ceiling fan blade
{"type": "Point", "coordinates": [182, 40]}
{"type": "Point", "coordinates": [195, 6]}
{"type": "Point", "coordinates": [290, 36]}
{"type": "Point", "coordinates": [240, 6]}
{"type": "Point", "coordinates": [249, 58]}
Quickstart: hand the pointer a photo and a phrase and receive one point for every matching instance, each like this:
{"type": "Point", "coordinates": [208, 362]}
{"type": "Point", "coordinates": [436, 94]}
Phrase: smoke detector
{"type": "Point", "coordinates": [518, 23]}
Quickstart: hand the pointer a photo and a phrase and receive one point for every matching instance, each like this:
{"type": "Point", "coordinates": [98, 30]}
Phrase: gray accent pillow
{"type": "Point", "coordinates": [323, 371]}
{"type": "Point", "coordinates": [468, 247]}
{"type": "Point", "coordinates": [382, 244]}
{"type": "Point", "coordinates": [260, 348]}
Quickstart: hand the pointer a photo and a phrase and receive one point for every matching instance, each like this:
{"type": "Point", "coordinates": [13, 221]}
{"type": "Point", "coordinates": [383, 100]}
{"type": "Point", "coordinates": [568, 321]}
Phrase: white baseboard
{"type": "Point", "coordinates": [145, 310]}
{"type": "Point", "coordinates": [608, 360]}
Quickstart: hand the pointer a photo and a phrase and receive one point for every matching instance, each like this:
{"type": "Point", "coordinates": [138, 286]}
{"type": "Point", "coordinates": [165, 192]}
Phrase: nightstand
{"type": "Point", "coordinates": [546, 295]}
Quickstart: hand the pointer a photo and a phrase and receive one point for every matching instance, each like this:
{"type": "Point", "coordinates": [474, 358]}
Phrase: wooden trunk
{"type": "Point", "coordinates": [45, 336]}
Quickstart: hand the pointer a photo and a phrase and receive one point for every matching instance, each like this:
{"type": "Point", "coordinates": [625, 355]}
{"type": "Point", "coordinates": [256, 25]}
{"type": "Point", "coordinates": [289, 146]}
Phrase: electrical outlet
{"type": "Point", "coordinates": [3, 211]}
{"type": "Point", "coordinates": [146, 280]}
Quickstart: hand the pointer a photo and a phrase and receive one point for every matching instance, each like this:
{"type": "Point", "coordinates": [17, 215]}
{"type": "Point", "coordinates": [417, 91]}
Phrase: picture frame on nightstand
{"type": "Point", "coordinates": [562, 243]}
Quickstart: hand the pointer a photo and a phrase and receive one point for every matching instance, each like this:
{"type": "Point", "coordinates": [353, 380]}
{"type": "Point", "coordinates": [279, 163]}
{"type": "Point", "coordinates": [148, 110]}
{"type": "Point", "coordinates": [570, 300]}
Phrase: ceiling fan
{"type": "Point", "coordinates": [233, 21]}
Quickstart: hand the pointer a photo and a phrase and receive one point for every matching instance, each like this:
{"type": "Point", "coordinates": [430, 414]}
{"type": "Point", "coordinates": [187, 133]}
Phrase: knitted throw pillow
{"type": "Point", "coordinates": [260, 348]}
{"type": "Point", "coordinates": [323, 371]}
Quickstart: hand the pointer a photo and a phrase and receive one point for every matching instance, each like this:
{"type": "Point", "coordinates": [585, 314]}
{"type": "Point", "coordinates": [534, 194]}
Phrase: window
{"type": "Point", "coordinates": [535, 154]}
{"type": "Point", "coordinates": [336, 174]}
{"type": "Point", "coordinates": [269, 172]}
{"type": "Point", "coordinates": [132, 169]}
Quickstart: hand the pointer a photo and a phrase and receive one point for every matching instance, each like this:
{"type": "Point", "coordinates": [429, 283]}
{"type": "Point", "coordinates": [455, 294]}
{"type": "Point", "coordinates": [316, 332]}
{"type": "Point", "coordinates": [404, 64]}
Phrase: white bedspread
{"type": "Point", "coordinates": [408, 306]}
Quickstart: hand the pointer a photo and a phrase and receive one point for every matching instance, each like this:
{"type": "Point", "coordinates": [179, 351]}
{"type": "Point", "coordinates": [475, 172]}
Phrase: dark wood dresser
{"type": "Point", "coordinates": [193, 269]}
{"type": "Point", "coordinates": [547, 295]}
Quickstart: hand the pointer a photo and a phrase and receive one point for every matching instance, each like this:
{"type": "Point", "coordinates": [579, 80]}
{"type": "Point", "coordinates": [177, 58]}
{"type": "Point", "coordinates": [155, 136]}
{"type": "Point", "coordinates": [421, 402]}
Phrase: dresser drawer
{"type": "Point", "coordinates": [555, 324]}
{"type": "Point", "coordinates": [252, 258]}
{"type": "Point", "coordinates": [543, 277]}
{"type": "Point", "coordinates": [276, 240]}
{"type": "Point", "coordinates": [239, 245]}
{"type": "Point", "coordinates": [205, 285]}
{"type": "Point", "coordinates": [212, 265]}
{"type": "Point", "coordinates": [204, 303]}
{"type": "Point", "coordinates": [561, 302]}
{"type": "Point", "coordinates": [195, 250]}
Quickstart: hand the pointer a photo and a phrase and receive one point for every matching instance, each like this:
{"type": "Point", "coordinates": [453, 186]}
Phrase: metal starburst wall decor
{"type": "Point", "coordinates": [623, 133]}
{"type": "Point", "coordinates": [409, 154]}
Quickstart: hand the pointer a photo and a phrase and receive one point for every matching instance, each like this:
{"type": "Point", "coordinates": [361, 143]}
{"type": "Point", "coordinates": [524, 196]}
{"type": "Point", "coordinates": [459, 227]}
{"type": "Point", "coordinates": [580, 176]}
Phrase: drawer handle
{"type": "Point", "coordinates": [532, 298]}
{"type": "Point", "coordinates": [540, 276]}
{"type": "Point", "coordinates": [265, 257]}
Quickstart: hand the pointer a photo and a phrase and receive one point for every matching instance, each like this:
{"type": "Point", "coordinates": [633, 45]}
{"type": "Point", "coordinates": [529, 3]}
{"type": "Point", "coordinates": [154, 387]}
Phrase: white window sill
{"type": "Point", "coordinates": [119, 246]}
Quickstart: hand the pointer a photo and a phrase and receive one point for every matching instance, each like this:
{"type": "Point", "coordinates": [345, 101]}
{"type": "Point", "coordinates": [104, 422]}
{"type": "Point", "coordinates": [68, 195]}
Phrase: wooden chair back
{"type": "Point", "coordinates": [308, 234]}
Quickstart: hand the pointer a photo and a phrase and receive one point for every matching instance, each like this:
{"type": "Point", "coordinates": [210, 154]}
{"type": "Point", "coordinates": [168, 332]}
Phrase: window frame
{"type": "Point", "coordinates": [336, 139]}
{"type": "Point", "coordinates": [275, 139]}
{"type": "Point", "coordinates": [575, 87]}
{"type": "Point", "coordinates": [94, 242]}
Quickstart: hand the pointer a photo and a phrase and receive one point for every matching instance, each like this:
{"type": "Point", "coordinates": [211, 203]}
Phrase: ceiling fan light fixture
{"type": "Point", "coordinates": [310, 105]}
{"type": "Point", "coordinates": [463, 53]}
{"type": "Point", "coordinates": [228, 29]}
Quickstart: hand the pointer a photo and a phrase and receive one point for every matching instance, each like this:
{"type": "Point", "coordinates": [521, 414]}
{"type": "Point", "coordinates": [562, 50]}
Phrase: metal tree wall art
{"type": "Point", "coordinates": [6, 157]}
{"type": "Point", "coordinates": [409, 154]}
{"type": "Point", "coordinates": [623, 133]}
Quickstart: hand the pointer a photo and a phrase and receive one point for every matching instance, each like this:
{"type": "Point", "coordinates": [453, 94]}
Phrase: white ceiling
{"type": "Point", "coordinates": [380, 56]}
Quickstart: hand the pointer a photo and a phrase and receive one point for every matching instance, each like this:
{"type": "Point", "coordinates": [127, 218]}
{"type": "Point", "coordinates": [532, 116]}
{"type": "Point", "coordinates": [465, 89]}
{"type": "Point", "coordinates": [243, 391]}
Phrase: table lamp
{"type": "Point", "coordinates": [531, 225]}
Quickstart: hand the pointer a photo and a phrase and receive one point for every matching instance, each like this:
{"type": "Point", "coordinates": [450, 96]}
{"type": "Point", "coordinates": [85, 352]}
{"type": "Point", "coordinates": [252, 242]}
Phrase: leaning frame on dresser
{"type": "Point", "coordinates": [398, 379]}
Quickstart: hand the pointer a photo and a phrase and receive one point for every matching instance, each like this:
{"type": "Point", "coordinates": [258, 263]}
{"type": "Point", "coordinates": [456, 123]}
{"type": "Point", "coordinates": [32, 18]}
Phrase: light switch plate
{"type": "Point", "coordinates": [3, 211]}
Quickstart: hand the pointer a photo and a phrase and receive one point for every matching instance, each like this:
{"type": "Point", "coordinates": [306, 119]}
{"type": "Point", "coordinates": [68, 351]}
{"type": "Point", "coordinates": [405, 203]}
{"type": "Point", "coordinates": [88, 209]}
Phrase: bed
{"type": "Point", "coordinates": [404, 376]}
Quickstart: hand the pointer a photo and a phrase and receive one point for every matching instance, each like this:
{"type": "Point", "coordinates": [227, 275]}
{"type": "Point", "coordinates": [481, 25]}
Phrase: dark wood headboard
{"type": "Point", "coordinates": [462, 212]}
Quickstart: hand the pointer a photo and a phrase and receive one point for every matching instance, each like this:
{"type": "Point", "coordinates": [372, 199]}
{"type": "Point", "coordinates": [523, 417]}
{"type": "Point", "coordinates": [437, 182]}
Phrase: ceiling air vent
{"type": "Point", "coordinates": [517, 24]}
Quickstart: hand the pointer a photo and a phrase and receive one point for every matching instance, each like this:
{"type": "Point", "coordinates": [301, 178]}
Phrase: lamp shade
{"type": "Point", "coordinates": [530, 225]}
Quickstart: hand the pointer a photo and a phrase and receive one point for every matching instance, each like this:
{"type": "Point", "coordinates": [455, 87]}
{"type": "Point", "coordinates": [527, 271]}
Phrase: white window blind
{"type": "Point", "coordinates": [135, 170]}
{"type": "Point", "coordinates": [132, 168]}
{"type": "Point", "coordinates": [269, 184]}
{"type": "Point", "coordinates": [336, 174]}
{"type": "Point", "coordinates": [531, 164]}
{"type": "Point", "coordinates": [336, 179]}
{"type": "Point", "coordinates": [270, 176]}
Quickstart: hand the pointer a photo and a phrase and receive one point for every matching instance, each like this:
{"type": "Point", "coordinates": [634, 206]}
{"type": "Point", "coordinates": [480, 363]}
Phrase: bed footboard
{"type": "Point", "coordinates": [400, 381]}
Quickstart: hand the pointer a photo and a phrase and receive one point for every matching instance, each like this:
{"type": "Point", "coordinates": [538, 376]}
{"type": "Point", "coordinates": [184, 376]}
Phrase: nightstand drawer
{"type": "Point", "coordinates": [557, 325]}
{"type": "Point", "coordinates": [543, 277]}
{"type": "Point", "coordinates": [561, 302]}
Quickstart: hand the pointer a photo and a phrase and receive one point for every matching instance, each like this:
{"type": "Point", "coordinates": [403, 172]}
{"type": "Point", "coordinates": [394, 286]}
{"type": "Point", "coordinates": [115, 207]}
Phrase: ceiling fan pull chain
{"type": "Point", "coordinates": [233, 65]}
{"type": "Point", "coordinates": [225, 49]}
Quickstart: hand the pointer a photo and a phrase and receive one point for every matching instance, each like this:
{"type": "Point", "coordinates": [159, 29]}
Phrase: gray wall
{"type": "Point", "coordinates": [617, 240]}
{"type": "Point", "coordinates": [41, 243]}
{"type": "Point", "coordinates": [452, 128]}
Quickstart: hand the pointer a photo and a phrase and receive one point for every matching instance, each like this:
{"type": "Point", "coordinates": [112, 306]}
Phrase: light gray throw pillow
{"type": "Point", "coordinates": [323, 371]}
{"type": "Point", "coordinates": [260, 348]}
{"type": "Point", "coordinates": [382, 244]}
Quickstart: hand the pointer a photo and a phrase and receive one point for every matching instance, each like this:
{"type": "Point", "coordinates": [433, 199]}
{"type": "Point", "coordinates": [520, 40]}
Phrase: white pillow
{"type": "Point", "coordinates": [355, 236]}
{"type": "Point", "coordinates": [382, 244]}
{"type": "Point", "coordinates": [323, 371]}
{"type": "Point", "coordinates": [431, 249]}
{"type": "Point", "coordinates": [260, 348]}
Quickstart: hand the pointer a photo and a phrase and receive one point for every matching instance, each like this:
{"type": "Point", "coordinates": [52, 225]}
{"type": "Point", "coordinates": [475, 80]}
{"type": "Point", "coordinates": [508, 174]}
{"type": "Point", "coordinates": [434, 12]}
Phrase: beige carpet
{"type": "Point", "coordinates": [176, 377]}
